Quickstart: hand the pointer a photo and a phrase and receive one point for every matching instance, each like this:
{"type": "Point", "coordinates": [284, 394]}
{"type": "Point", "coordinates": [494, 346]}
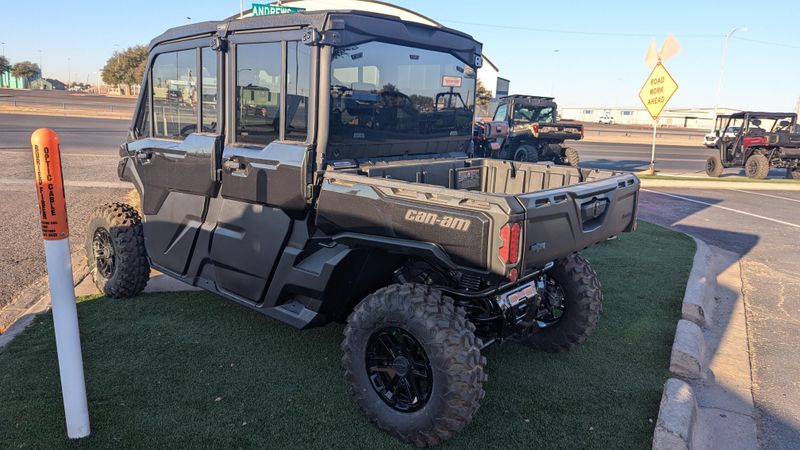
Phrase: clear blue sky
{"type": "Point", "coordinates": [601, 45]}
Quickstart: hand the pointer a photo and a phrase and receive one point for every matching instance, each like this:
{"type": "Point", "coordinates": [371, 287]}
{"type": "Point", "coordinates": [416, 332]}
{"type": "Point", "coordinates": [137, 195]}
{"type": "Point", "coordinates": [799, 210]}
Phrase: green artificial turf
{"type": "Point", "coordinates": [190, 370]}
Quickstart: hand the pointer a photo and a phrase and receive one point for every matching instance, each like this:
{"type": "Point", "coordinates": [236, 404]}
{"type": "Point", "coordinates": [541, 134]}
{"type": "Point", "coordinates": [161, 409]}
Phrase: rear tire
{"type": "Point", "coordinates": [714, 166]}
{"type": "Point", "coordinates": [425, 342]}
{"type": "Point", "coordinates": [115, 251]}
{"type": "Point", "coordinates": [571, 157]}
{"type": "Point", "coordinates": [526, 153]}
{"type": "Point", "coordinates": [756, 166]}
{"type": "Point", "coordinates": [582, 304]}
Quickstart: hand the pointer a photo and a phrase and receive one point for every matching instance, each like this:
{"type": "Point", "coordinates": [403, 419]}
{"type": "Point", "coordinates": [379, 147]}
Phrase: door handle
{"type": "Point", "coordinates": [233, 165]}
{"type": "Point", "coordinates": [144, 156]}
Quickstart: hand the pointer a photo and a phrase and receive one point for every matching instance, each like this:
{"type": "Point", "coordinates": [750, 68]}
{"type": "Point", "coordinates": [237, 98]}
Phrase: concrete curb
{"type": "Point", "coordinates": [696, 305]}
{"type": "Point", "coordinates": [688, 359]}
{"type": "Point", "coordinates": [677, 415]}
{"type": "Point", "coordinates": [29, 299]}
{"type": "Point", "coordinates": [708, 403]}
{"type": "Point", "coordinates": [710, 184]}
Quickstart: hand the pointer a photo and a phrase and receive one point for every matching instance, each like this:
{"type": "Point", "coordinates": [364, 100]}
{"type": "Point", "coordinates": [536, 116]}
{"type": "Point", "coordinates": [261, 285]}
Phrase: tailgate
{"type": "Point", "coordinates": [561, 131]}
{"type": "Point", "coordinates": [568, 219]}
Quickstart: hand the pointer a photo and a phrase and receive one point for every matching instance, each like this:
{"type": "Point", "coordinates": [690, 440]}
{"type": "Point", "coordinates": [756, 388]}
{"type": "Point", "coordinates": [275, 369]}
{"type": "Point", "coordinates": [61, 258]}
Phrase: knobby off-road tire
{"type": "Point", "coordinates": [756, 166]}
{"type": "Point", "coordinates": [571, 157]}
{"type": "Point", "coordinates": [583, 303]}
{"type": "Point", "coordinates": [526, 153]}
{"type": "Point", "coordinates": [449, 343]}
{"type": "Point", "coordinates": [714, 166]}
{"type": "Point", "coordinates": [124, 271]}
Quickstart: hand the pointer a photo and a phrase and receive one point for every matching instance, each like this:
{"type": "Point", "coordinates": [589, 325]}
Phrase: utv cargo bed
{"type": "Point", "coordinates": [564, 209]}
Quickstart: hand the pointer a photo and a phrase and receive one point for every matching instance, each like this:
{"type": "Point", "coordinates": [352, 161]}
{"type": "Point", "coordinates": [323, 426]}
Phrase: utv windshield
{"type": "Point", "coordinates": [412, 100]}
{"type": "Point", "coordinates": [531, 114]}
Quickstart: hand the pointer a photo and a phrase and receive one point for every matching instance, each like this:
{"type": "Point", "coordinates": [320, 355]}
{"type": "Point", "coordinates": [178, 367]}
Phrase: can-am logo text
{"type": "Point", "coordinates": [453, 223]}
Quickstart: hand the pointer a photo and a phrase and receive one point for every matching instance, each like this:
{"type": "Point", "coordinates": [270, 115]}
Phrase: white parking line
{"type": "Point", "coordinates": [724, 207]}
{"type": "Point", "coordinates": [768, 195]}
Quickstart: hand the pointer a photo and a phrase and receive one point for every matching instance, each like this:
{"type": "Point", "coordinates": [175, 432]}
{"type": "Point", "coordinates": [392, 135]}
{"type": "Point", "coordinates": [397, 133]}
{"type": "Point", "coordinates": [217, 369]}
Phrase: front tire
{"type": "Point", "coordinates": [714, 166]}
{"type": "Point", "coordinates": [756, 166]}
{"type": "Point", "coordinates": [571, 308]}
{"type": "Point", "coordinates": [413, 363]}
{"type": "Point", "coordinates": [115, 251]}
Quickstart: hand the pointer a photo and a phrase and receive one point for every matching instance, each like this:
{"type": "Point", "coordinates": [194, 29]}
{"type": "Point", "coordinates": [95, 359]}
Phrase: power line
{"type": "Point", "coordinates": [578, 32]}
{"type": "Point", "coordinates": [777, 44]}
{"type": "Point", "coordinates": [615, 34]}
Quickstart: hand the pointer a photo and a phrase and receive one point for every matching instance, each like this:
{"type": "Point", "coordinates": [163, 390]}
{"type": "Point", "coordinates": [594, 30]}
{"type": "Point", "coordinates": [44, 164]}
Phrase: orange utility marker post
{"type": "Point", "coordinates": [53, 218]}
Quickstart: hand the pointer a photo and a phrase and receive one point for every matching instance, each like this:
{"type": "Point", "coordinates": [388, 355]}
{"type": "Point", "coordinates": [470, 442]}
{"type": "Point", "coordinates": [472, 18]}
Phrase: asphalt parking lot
{"type": "Point", "coordinates": [89, 160]}
{"type": "Point", "coordinates": [762, 228]}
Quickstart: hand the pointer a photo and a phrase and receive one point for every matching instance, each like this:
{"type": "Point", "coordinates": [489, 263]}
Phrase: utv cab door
{"type": "Point", "coordinates": [264, 161]}
{"type": "Point", "coordinates": [177, 155]}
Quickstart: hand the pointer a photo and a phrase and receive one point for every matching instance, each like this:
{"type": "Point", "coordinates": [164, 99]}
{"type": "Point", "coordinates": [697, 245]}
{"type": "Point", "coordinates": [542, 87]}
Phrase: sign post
{"type": "Point", "coordinates": [658, 89]}
{"type": "Point", "coordinates": [55, 230]}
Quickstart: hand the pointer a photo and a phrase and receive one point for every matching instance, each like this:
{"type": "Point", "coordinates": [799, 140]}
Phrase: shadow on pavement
{"type": "Point", "coordinates": [671, 212]}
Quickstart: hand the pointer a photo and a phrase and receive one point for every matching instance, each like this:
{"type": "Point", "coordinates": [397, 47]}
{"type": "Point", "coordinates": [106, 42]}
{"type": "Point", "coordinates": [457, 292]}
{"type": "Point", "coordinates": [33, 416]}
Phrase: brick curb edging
{"type": "Point", "coordinates": [18, 313]}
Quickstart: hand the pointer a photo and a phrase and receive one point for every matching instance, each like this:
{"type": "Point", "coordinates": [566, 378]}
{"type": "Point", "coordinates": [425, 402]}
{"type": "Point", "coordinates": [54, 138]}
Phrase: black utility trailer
{"type": "Point", "coordinates": [758, 141]}
{"type": "Point", "coordinates": [526, 128]}
{"type": "Point", "coordinates": [330, 180]}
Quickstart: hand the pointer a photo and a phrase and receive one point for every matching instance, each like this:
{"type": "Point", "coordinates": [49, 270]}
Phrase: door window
{"type": "Point", "coordinates": [143, 121]}
{"type": "Point", "coordinates": [208, 90]}
{"type": "Point", "coordinates": [500, 114]}
{"type": "Point", "coordinates": [258, 92]}
{"type": "Point", "coordinates": [174, 79]}
{"type": "Point", "coordinates": [298, 60]}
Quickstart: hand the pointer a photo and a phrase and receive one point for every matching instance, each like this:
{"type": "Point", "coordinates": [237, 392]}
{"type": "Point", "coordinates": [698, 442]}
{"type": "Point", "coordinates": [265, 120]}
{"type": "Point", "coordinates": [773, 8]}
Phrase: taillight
{"type": "Point", "coordinates": [510, 235]}
{"type": "Point", "coordinates": [536, 130]}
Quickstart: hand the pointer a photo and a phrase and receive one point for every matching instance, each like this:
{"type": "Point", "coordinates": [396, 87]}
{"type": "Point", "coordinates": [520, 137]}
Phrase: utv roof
{"type": "Point", "coordinates": [526, 97]}
{"type": "Point", "coordinates": [740, 115]}
{"type": "Point", "coordinates": [351, 27]}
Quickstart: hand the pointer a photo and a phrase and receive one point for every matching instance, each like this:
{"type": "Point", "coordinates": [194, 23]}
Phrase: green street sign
{"type": "Point", "coordinates": [271, 10]}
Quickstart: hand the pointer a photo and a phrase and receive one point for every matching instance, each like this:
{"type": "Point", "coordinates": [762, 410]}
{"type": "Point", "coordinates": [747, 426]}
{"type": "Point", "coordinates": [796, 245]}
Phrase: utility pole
{"type": "Point", "coordinates": [69, 73]}
{"type": "Point", "coordinates": [4, 48]}
{"type": "Point", "coordinates": [722, 69]}
{"type": "Point", "coordinates": [41, 66]}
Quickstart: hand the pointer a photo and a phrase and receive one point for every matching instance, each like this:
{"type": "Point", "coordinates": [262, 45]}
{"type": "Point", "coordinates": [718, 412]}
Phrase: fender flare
{"type": "Point", "coordinates": [400, 246]}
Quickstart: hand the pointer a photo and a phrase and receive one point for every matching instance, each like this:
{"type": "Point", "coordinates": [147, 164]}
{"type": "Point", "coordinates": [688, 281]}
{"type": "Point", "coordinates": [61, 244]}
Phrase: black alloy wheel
{"type": "Point", "coordinates": [399, 369]}
{"type": "Point", "coordinates": [115, 251]}
{"type": "Point", "coordinates": [103, 252]}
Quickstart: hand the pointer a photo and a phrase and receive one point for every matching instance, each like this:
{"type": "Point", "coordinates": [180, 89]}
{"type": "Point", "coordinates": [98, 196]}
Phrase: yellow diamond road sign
{"type": "Point", "coordinates": [657, 90]}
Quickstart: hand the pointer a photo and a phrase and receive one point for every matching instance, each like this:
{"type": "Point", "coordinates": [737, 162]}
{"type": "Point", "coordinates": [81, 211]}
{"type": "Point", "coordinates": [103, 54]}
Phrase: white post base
{"type": "Point", "coordinates": [68, 343]}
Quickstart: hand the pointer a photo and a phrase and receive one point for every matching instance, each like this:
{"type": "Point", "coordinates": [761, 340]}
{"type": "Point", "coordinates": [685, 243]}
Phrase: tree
{"type": "Point", "coordinates": [126, 67]}
{"type": "Point", "coordinates": [26, 70]}
{"type": "Point", "coordinates": [482, 95]}
{"type": "Point", "coordinates": [4, 65]}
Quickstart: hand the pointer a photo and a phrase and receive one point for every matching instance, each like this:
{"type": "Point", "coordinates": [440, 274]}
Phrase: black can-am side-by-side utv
{"type": "Point", "coordinates": [315, 167]}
